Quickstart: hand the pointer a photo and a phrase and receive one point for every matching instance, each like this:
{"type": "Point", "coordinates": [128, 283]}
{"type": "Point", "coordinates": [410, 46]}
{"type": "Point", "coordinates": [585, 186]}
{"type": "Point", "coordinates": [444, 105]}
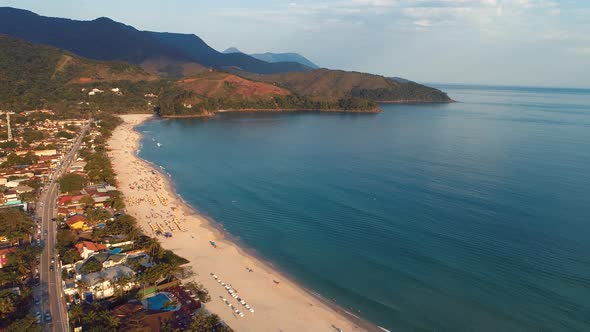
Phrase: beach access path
{"type": "Point", "coordinates": [278, 303]}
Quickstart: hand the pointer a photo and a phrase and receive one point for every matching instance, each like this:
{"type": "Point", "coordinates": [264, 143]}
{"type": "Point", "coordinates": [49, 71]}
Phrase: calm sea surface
{"type": "Point", "coordinates": [468, 216]}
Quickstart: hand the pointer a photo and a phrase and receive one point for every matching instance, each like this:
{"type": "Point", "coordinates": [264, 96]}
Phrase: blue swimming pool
{"type": "Point", "coordinates": [159, 301]}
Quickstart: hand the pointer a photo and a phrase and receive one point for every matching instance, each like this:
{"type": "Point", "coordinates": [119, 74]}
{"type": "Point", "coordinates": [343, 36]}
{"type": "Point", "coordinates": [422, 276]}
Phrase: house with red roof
{"type": "Point", "coordinates": [87, 248]}
{"type": "Point", "coordinates": [77, 222]}
{"type": "Point", "coordinates": [70, 200]}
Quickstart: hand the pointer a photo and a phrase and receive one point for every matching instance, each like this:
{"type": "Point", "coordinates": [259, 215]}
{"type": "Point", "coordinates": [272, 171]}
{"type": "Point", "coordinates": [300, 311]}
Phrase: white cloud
{"type": "Point", "coordinates": [375, 3]}
{"type": "Point", "coordinates": [422, 23]}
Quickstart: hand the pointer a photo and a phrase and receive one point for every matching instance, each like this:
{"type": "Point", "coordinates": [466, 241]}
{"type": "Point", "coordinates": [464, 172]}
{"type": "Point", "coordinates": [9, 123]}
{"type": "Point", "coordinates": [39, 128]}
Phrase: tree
{"type": "Point", "coordinates": [96, 318]}
{"type": "Point", "coordinates": [83, 285]}
{"type": "Point", "coordinates": [30, 135]}
{"type": "Point", "coordinates": [88, 202]}
{"type": "Point", "coordinates": [200, 290]}
{"type": "Point", "coordinates": [13, 159]}
{"type": "Point", "coordinates": [203, 322]}
{"type": "Point", "coordinates": [65, 134]}
{"type": "Point", "coordinates": [92, 265]}
{"type": "Point", "coordinates": [71, 256]}
{"type": "Point", "coordinates": [65, 241]}
{"type": "Point", "coordinates": [8, 303]}
{"type": "Point", "coordinates": [98, 214]}
{"type": "Point", "coordinates": [15, 224]}
{"type": "Point", "coordinates": [28, 324]}
{"type": "Point", "coordinates": [122, 225]}
{"type": "Point", "coordinates": [72, 183]}
{"type": "Point", "coordinates": [76, 313]}
{"type": "Point", "coordinates": [116, 197]}
{"type": "Point", "coordinates": [23, 260]}
{"type": "Point", "coordinates": [8, 145]}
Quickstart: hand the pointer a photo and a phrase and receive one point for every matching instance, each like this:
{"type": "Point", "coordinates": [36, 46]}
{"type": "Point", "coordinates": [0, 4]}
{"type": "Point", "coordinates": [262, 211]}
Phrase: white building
{"type": "Point", "coordinates": [102, 283]}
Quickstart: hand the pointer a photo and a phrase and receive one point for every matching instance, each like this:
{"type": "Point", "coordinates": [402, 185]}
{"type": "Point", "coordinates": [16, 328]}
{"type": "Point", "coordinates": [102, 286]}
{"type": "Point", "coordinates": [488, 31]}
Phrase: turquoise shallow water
{"type": "Point", "coordinates": [467, 216]}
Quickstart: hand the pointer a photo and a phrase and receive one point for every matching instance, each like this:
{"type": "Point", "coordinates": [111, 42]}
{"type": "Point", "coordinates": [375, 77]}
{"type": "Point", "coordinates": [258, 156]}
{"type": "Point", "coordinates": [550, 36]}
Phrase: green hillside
{"type": "Point", "coordinates": [36, 76]}
{"type": "Point", "coordinates": [42, 77]}
{"type": "Point", "coordinates": [325, 83]}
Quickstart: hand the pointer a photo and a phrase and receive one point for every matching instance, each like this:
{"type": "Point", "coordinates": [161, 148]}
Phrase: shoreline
{"type": "Point", "coordinates": [208, 114]}
{"type": "Point", "coordinates": [291, 304]}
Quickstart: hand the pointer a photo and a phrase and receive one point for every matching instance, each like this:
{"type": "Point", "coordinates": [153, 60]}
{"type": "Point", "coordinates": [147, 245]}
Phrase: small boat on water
{"type": "Point", "coordinates": [159, 144]}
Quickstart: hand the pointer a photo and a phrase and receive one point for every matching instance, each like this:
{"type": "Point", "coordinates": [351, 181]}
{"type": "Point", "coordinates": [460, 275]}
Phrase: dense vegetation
{"type": "Point", "coordinates": [71, 183]}
{"type": "Point", "coordinates": [404, 92]}
{"type": "Point", "coordinates": [325, 83]}
{"type": "Point", "coordinates": [53, 78]}
{"type": "Point", "coordinates": [16, 293]}
{"type": "Point", "coordinates": [15, 224]}
{"type": "Point", "coordinates": [36, 77]}
{"type": "Point", "coordinates": [15, 160]}
{"type": "Point", "coordinates": [172, 106]}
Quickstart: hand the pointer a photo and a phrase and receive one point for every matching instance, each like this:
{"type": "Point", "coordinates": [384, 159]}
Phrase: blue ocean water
{"type": "Point", "coordinates": [466, 216]}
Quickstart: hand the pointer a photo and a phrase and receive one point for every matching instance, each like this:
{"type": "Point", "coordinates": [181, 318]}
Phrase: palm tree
{"type": "Point", "coordinates": [89, 317]}
{"type": "Point", "coordinates": [83, 285]}
{"type": "Point", "coordinates": [153, 247]}
{"type": "Point", "coordinates": [121, 284]}
{"type": "Point", "coordinates": [76, 312]}
{"type": "Point", "coordinates": [101, 285]}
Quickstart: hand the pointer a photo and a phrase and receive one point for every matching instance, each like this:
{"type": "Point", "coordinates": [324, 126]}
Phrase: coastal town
{"type": "Point", "coordinates": [86, 248]}
{"type": "Point", "coordinates": [109, 274]}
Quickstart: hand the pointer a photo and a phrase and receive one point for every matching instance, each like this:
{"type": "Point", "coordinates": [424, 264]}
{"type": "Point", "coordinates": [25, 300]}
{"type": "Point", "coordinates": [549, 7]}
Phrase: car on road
{"type": "Point", "coordinates": [47, 316]}
{"type": "Point", "coordinates": [38, 316]}
{"type": "Point", "coordinates": [52, 260]}
{"type": "Point", "coordinates": [45, 232]}
{"type": "Point", "coordinates": [53, 219]}
{"type": "Point", "coordinates": [51, 267]}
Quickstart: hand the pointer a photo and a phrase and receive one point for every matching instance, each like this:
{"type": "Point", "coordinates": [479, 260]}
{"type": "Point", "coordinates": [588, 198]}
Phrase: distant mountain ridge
{"type": "Point", "coordinates": [105, 39]}
{"type": "Point", "coordinates": [173, 56]}
{"type": "Point", "coordinates": [277, 57]}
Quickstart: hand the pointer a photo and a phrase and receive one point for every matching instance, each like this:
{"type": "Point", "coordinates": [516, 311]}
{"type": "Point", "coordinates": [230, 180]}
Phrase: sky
{"type": "Point", "coordinates": [501, 42]}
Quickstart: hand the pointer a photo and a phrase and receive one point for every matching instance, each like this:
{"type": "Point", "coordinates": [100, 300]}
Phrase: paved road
{"type": "Point", "coordinates": [50, 291]}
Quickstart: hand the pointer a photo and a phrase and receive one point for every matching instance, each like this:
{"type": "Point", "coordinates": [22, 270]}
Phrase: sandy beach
{"type": "Point", "coordinates": [278, 303]}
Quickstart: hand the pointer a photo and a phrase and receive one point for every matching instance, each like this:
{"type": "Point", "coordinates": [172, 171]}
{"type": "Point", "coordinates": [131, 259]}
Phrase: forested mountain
{"type": "Point", "coordinates": [35, 76]}
{"type": "Point", "coordinates": [38, 76]}
{"type": "Point", "coordinates": [327, 83]}
{"type": "Point", "coordinates": [105, 39]}
{"type": "Point", "coordinates": [277, 57]}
